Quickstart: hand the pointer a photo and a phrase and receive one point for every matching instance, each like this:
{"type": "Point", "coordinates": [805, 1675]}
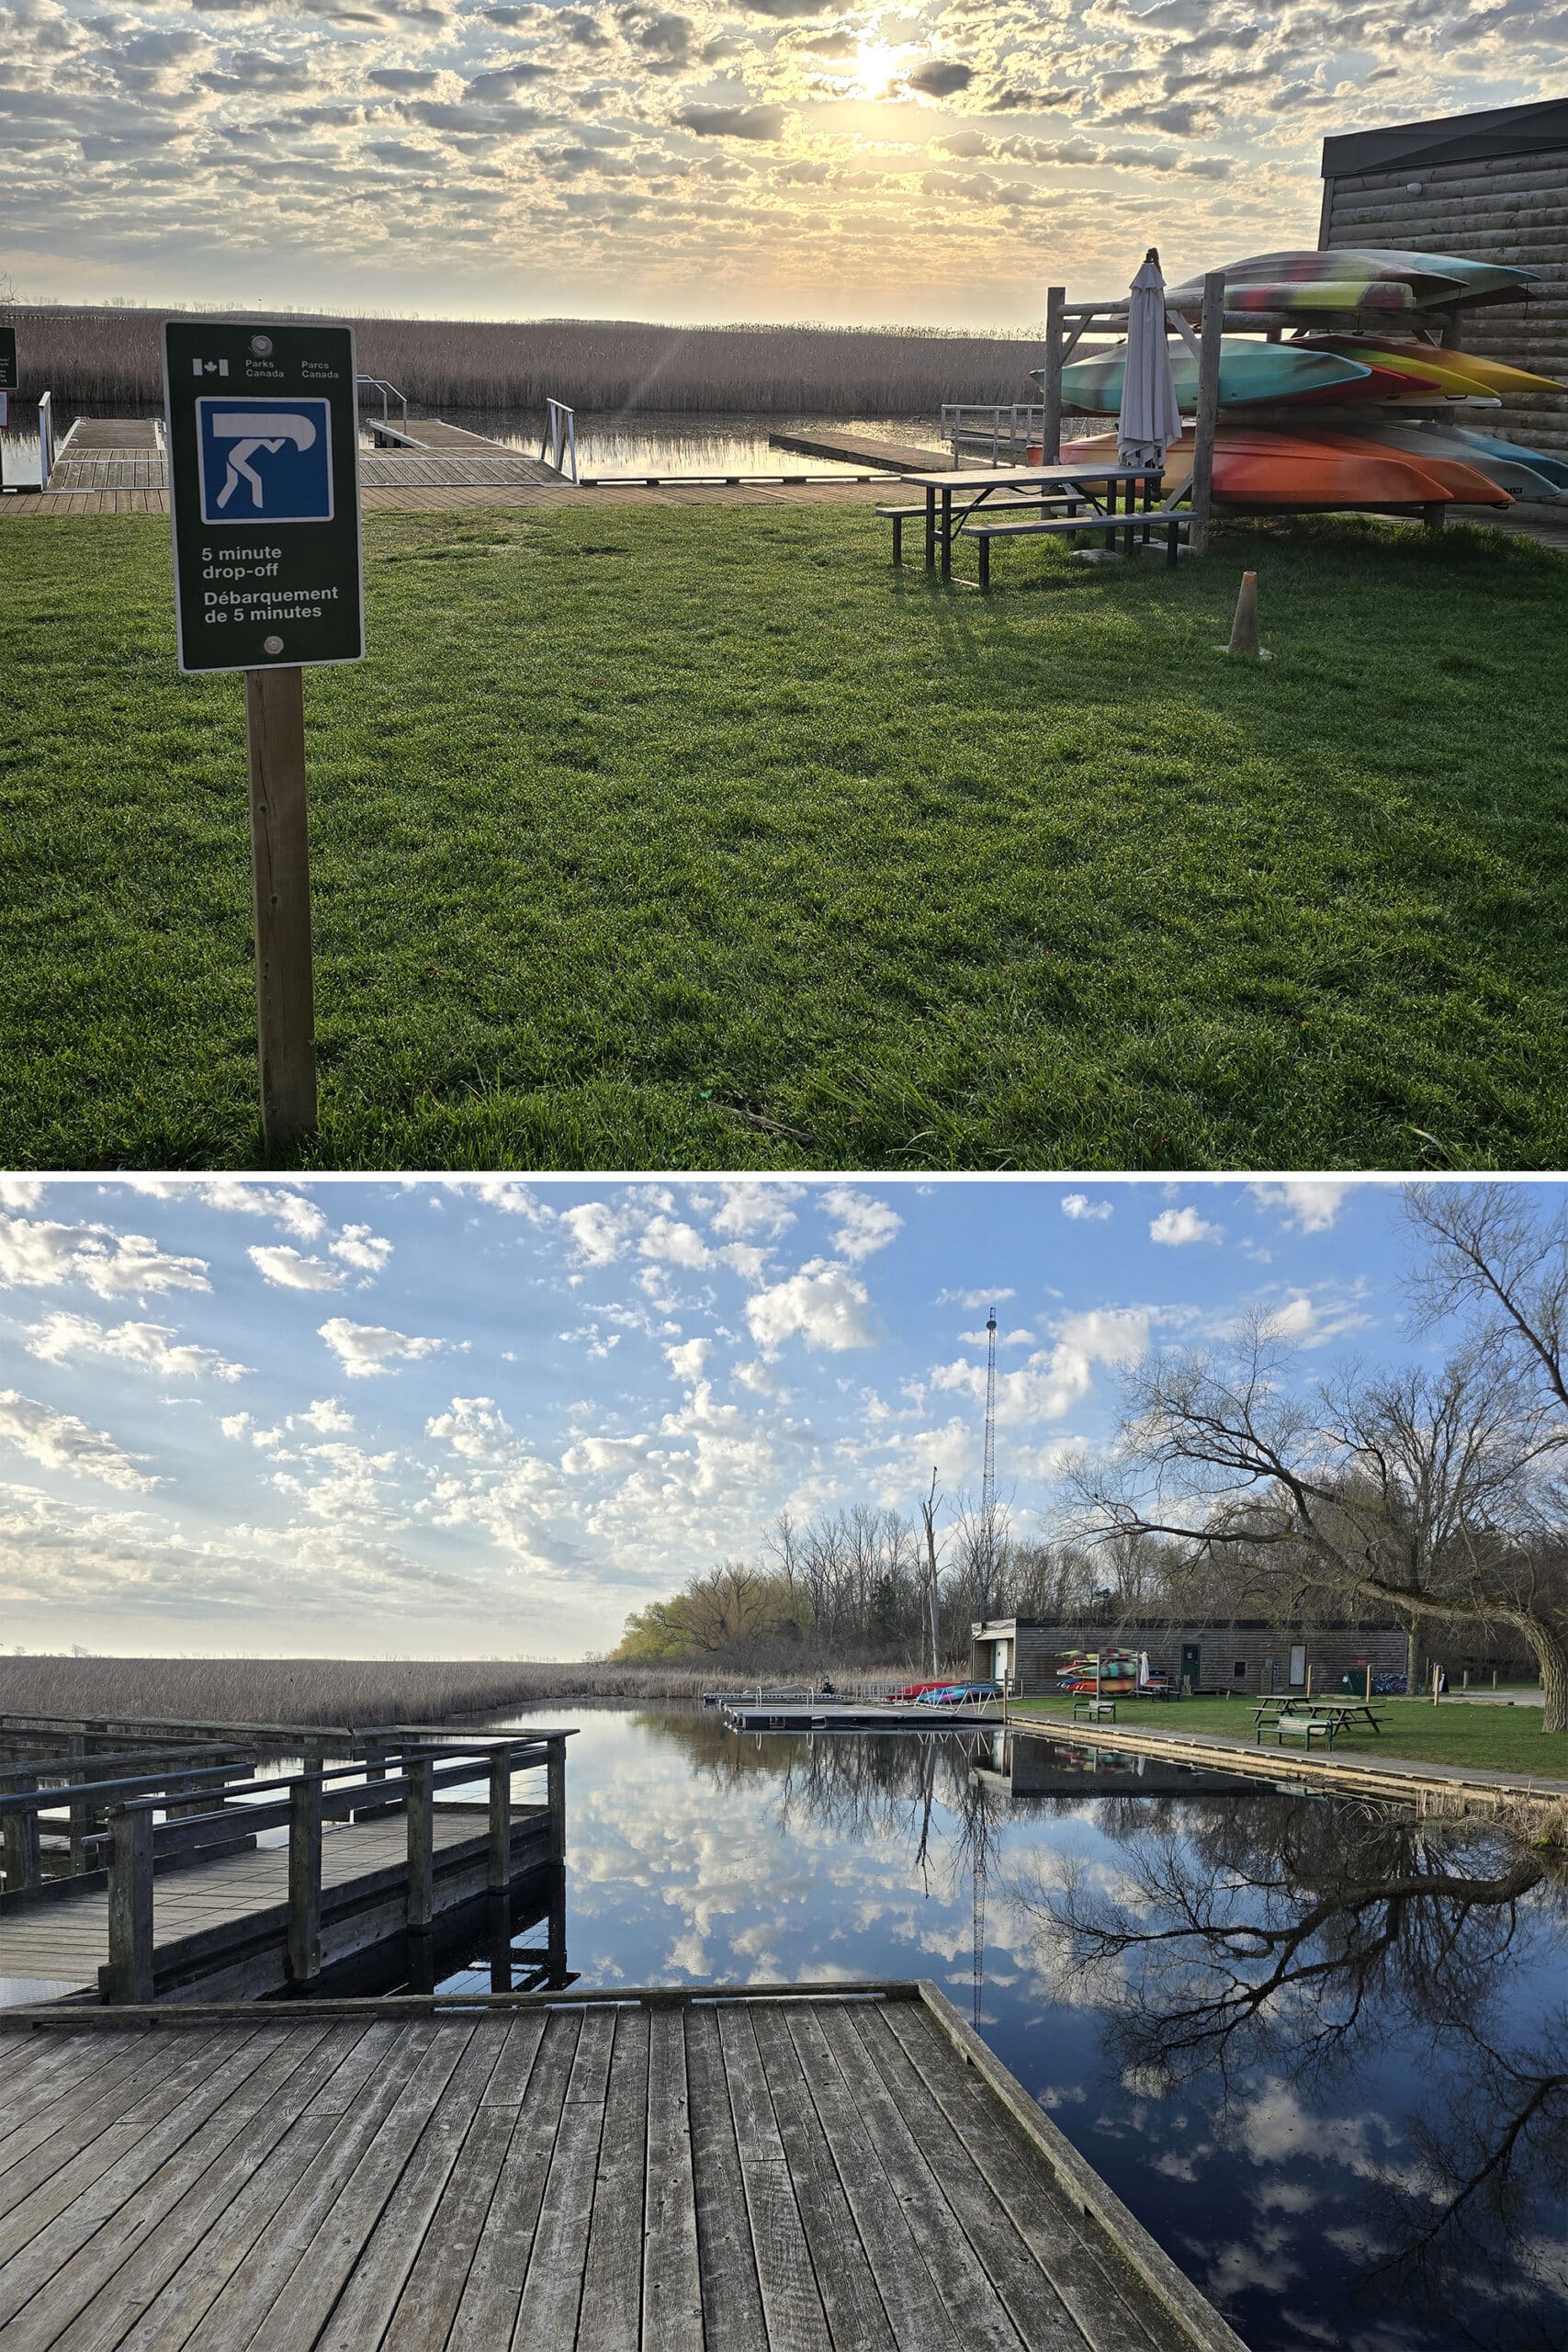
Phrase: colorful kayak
{"type": "Point", "coordinates": [1256, 467]}
{"type": "Point", "coordinates": [1462, 375]}
{"type": "Point", "coordinates": [1492, 444]}
{"type": "Point", "coordinates": [1249, 372]}
{"type": "Point", "coordinates": [1514, 469]}
{"type": "Point", "coordinates": [1357, 279]}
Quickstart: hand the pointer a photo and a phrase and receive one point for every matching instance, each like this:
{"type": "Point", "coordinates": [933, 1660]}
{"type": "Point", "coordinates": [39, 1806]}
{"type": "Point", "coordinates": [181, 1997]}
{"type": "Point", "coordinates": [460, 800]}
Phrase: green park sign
{"type": "Point", "coordinates": [264, 490]}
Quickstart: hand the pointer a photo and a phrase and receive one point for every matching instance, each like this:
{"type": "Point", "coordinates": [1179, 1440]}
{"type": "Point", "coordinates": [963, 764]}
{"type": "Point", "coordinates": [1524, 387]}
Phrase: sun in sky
{"type": "Point", "coordinates": [876, 67]}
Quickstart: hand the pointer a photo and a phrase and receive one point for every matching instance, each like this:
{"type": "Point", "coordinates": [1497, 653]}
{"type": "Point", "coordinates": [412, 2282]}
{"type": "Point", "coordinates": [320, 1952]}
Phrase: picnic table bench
{"type": "Point", "coordinates": [1097, 1710]}
{"type": "Point", "coordinates": [1291, 1726]}
{"type": "Point", "coordinates": [1052, 500]}
{"type": "Point", "coordinates": [1340, 1711]}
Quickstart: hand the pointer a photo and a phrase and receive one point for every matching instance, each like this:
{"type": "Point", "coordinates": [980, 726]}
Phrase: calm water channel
{"type": "Point", "coordinates": [646, 442]}
{"type": "Point", "coordinates": [1290, 2154]}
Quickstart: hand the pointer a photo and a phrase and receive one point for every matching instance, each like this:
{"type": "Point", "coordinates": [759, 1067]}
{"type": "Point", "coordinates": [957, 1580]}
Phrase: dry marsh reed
{"type": "Point", "coordinates": [350, 1692]}
{"type": "Point", "coordinates": [112, 355]}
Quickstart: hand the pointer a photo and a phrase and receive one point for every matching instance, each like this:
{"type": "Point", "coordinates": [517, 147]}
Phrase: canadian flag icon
{"type": "Point", "coordinates": [209, 367]}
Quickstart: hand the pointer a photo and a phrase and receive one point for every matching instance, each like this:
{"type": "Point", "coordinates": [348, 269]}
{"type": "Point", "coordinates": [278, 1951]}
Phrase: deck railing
{"type": "Point", "coordinates": [45, 437]}
{"type": "Point", "coordinates": [302, 1803]}
{"type": "Point", "coordinates": [389, 393]}
{"type": "Point", "coordinates": [559, 438]}
{"type": "Point", "coordinates": [999, 434]}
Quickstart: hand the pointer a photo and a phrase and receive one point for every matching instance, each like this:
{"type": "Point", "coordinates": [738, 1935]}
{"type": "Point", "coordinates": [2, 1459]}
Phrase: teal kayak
{"type": "Point", "coordinates": [1350, 278]}
{"type": "Point", "coordinates": [1249, 372]}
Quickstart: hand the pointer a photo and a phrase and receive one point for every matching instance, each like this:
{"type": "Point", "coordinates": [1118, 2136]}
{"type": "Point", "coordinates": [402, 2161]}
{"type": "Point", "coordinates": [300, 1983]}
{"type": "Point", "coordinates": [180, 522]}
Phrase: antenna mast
{"type": "Point", "coordinates": [988, 1471]}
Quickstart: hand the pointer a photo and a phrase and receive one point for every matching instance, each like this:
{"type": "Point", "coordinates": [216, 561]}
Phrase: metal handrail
{"type": "Point", "coordinates": [45, 437]}
{"type": "Point", "coordinates": [388, 392]}
{"type": "Point", "coordinates": [560, 436]}
{"type": "Point", "coordinates": [1024, 419]}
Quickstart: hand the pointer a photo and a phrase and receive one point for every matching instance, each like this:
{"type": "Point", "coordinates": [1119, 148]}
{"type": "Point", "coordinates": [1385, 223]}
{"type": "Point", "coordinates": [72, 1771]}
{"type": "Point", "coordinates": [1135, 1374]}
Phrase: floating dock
{"type": "Point", "coordinates": [789, 2170]}
{"type": "Point", "coordinates": [853, 1715]}
{"type": "Point", "coordinates": [128, 453]}
{"type": "Point", "coordinates": [865, 450]}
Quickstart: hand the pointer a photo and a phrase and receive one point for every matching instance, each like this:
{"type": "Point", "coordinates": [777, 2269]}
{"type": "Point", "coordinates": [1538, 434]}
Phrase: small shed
{"type": "Point", "coordinates": [1490, 185]}
{"type": "Point", "coordinates": [1247, 1656]}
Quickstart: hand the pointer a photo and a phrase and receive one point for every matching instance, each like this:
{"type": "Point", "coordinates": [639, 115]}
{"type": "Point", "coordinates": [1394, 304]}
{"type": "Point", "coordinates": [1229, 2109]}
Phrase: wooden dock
{"type": "Point", "coordinates": [795, 2170]}
{"type": "Point", "coordinates": [854, 1715]}
{"type": "Point", "coordinates": [200, 1889]}
{"type": "Point", "coordinates": [864, 450]}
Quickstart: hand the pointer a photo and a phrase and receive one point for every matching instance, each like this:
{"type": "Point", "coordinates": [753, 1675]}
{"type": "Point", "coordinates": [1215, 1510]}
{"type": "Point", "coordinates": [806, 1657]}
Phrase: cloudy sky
{"type": "Point", "coordinates": [485, 1419]}
{"type": "Point", "coordinates": [777, 159]}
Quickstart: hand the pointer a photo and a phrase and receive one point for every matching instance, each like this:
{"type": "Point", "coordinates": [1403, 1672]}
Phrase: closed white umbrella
{"type": "Point", "coordinates": [1150, 418]}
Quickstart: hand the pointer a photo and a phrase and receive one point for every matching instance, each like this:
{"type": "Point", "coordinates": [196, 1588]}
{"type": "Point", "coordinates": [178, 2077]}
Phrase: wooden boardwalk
{"type": "Point", "coordinates": [236, 1899]}
{"type": "Point", "coordinates": [808, 2172]}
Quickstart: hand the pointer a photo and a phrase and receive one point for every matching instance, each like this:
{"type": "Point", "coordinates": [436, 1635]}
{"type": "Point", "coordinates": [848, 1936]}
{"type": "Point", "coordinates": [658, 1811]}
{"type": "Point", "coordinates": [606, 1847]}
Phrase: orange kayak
{"type": "Point", "coordinates": [1258, 467]}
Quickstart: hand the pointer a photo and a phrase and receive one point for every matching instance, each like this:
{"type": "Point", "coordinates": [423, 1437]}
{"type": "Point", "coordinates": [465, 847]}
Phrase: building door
{"type": "Point", "coordinates": [1000, 1655]}
{"type": "Point", "coordinates": [1298, 1664]}
{"type": "Point", "coordinates": [1191, 1660]}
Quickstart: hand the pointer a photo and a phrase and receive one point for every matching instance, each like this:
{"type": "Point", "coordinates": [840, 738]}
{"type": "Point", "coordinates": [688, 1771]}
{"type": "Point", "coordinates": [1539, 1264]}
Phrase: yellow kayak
{"type": "Point", "coordinates": [1459, 375]}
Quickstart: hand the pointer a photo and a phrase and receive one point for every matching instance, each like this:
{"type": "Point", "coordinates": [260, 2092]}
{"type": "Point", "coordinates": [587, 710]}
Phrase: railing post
{"type": "Point", "coordinates": [305, 1878]}
{"type": "Point", "coordinates": [557, 1787]}
{"type": "Point", "coordinates": [22, 1867]}
{"type": "Point", "coordinates": [1209, 355]}
{"type": "Point", "coordinates": [81, 1822]}
{"type": "Point", "coordinates": [129, 1971]}
{"type": "Point", "coordinates": [499, 1877]}
{"type": "Point", "coordinates": [419, 1771]}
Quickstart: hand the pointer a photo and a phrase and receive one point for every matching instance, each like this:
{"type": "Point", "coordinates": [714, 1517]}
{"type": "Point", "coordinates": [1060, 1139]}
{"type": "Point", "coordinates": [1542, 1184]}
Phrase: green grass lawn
{"type": "Point", "coordinates": [685, 838]}
{"type": "Point", "coordinates": [1495, 1740]}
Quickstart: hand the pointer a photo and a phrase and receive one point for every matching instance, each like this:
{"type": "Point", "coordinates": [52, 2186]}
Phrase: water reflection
{"type": "Point", "coordinates": [1285, 2169]}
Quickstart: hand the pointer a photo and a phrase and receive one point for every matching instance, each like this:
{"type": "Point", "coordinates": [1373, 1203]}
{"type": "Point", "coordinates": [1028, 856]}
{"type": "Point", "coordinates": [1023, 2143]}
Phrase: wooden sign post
{"type": "Point", "coordinates": [263, 493]}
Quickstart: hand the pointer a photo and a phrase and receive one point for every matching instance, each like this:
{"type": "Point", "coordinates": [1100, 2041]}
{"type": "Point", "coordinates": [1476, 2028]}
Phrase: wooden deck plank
{"type": "Point", "coordinates": [47, 2228]}
{"type": "Point", "coordinates": [493, 2291]}
{"type": "Point", "coordinates": [671, 2283]}
{"type": "Point", "coordinates": [791, 2302]}
{"type": "Point", "coordinates": [552, 2292]}
{"type": "Point", "coordinates": [732, 2299]}
{"type": "Point", "coordinates": [611, 2316]}
{"type": "Point", "coordinates": [626, 2172]}
{"type": "Point", "coordinates": [962, 2284]}
{"type": "Point", "coordinates": [51, 2142]}
{"type": "Point", "coordinates": [1032, 2302]}
{"type": "Point", "coordinates": [86, 2081]}
{"type": "Point", "coordinates": [908, 2285]}
{"type": "Point", "coordinates": [212, 2286]}
{"type": "Point", "coordinates": [844, 2280]}
{"type": "Point", "coordinates": [113, 2250]}
{"type": "Point", "coordinates": [1113, 2310]}
{"type": "Point", "coordinates": [290, 2318]}
{"type": "Point", "coordinates": [429, 2301]}
{"type": "Point", "coordinates": [365, 2309]}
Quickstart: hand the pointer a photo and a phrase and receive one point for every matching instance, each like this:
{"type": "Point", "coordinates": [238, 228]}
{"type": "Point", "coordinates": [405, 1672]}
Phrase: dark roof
{"type": "Point", "coordinates": [1452, 139]}
{"type": "Point", "coordinates": [1153, 1623]}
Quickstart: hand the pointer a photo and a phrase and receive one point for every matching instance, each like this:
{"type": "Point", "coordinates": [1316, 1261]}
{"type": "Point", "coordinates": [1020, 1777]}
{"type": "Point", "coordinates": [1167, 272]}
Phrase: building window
{"type": "Point", "coordinates": [1240, 1668]}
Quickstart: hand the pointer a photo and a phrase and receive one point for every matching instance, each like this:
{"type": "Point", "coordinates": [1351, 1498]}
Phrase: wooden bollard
{"type": "Point", "coordinates": [305, 1878]}
{"type": "Point", "coordinates": [129, 1971]}
{"type": "Point", "coordinates": [419, 1771]}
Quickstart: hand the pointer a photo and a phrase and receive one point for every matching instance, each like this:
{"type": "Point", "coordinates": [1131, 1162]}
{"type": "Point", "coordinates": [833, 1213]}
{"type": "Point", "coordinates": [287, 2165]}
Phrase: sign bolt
{"type": "Point", "coordinates": [272, 645]}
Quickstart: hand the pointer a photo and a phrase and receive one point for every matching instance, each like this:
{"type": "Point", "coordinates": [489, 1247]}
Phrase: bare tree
{"type": "Point", "coordinates": [1418, 1489]}
{"type": "Point", "coordinates": [1492, 1260]}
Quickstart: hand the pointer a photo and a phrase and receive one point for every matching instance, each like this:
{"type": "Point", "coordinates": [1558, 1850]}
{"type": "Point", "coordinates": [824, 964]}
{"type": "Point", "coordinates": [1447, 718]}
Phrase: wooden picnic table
{"type": "Point", "coordinates": [1097, 484]}
{"type": "Point", "coordinates": [1341, 1709]}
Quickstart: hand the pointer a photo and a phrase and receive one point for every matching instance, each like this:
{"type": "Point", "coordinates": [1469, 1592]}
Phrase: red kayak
{"type": "Point", "coordinates": [1257, 466]}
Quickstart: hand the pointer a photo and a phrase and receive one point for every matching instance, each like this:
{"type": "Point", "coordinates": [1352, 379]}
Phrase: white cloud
{"type": "Point", "coordinates": [750, 1207]}
{"type": "Point", "coordinates": [1053, 1381]}
{"type": "Point", "coordinates": [1315, 1322]}
{"type": "Point", "coordinates": [154, 1347]}
{"type": "Point", "coordinates": [40, 1255]}
{"type": "Point", "coordinates": [285, 1267]}
{"type": "Point", "coordinates": [971, 1298]}
{"type": "Point", "coordinates": [861, 1223]}
{"type": "Point", "coordinates": [296, 1212]}
{"type": "Point", "coordinates": [507, 1193]}
{"type": "Point", "coordinates": [359, 1247]}
{"type": "Point", "coordinates": [827, 1306]}
{"type": "Point", "coordinates": [686, 1360]}
{"type": "Point", "coordinates": [1177, 1226]}
{"type": "Point", "coordinates": [1079, 1205]}
{"type": "Point", "coordinates": [326, 1414]}
{"type": "Point", "coordinates": [599, 1232]}
{"type": "Point", "coordinates": [20, 1192]}
{"type": "Point", "coordinates": [1310, 1203]}
{"type": "Point", "coordinates": [365, 1349]}
{"type": "Point", "coordinates": [61, 1441]}
{"type": "Point", "coordinates": [671, 1243]}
